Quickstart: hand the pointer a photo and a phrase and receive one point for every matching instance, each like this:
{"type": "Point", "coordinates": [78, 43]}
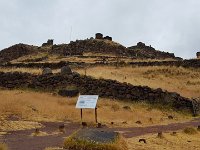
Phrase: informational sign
{"type": "Point", "coordinates": [87, 101]}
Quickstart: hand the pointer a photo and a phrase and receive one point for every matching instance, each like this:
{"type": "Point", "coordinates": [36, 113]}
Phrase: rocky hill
{"type": "Point", "coordinates": [15, 52]}
{"type": "Point", "coordinates": [79, 47]}
{"type": "Point", "coordinates": [142, 51]}
{"type": "Point", "coordinates": [102, 45]}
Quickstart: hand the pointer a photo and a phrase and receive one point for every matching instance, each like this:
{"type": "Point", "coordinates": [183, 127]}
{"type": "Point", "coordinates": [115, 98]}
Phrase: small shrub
{"type": "Point", "coordinates": [127, 108]}
{"type": "Point", "coordinates": [74, 144]}
{"type": "Point", "coordinates": [190, 130]}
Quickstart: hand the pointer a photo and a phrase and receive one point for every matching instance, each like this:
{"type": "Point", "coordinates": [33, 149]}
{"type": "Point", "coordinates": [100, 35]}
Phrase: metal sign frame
{"type": "Point", "coordinates": [87, 102]}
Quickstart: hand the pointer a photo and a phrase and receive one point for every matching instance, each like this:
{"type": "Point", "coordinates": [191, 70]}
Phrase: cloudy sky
{"type": "Point", "coordinates": [167, 25]}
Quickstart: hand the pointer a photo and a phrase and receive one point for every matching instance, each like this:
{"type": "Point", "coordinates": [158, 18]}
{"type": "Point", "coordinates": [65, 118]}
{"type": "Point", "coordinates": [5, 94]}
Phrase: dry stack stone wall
{"type": "Point", "coordinates": [104, 88]}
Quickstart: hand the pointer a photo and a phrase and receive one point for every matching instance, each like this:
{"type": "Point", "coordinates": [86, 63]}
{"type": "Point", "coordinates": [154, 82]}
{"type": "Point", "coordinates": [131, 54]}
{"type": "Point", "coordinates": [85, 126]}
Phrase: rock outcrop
{"type": "Point", "coordinates": [94, 46]}
{"type": "Point", "coordinates": [102, 45]}
{"type": "Point", "coordinates": [15, 52]}
{"type": "Point", "coordinates": [143, 51]}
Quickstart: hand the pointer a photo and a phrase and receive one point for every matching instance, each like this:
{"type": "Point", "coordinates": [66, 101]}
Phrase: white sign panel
{"type": "Point", "coordinates": [87, 101]}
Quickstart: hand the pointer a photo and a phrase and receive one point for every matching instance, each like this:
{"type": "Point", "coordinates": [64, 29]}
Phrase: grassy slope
{"type": "Point", "coordinates": [174, 79]}
{"type": "Point", "coordinates": [45, 107]}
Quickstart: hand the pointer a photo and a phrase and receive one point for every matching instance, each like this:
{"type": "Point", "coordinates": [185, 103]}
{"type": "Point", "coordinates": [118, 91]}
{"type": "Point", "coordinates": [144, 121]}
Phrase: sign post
{"type": "Point", "coordinates": [87, 102]}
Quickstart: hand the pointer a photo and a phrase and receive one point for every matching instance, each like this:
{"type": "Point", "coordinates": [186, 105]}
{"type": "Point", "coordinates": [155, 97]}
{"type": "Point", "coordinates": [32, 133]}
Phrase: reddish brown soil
{"type": "Point", "coordinates": [21, 140]}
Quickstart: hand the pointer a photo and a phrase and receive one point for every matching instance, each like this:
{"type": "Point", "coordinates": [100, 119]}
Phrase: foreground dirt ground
{"type": "Point", "coordinates": [32, 106]}
{"type": "Point", "coordinates": [23, 111]}
{"type": "Point", "coordinates": [180, 141]}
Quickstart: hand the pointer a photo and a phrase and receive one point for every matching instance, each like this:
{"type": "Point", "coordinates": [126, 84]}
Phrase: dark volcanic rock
{"type": "Point", "coordinates": [15, 52]}
{"type": "Point", "coordinates": [102, 87]}
{"type": "Point", "coordinates": [97, 135]}
{"type": "Point", "coordinates": [68, 92]}
{"type": "Point", "coordinates": [66, 70]}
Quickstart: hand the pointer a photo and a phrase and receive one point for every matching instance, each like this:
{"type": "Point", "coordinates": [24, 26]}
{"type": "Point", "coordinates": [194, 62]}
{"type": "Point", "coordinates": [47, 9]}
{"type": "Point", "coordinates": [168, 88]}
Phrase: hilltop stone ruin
{"type": "Point", "coordinates": [49, 43]}
{"type": "Point", "coordinates": [100, 37]}
{"type": "Point", "coordinates": [198, 55]}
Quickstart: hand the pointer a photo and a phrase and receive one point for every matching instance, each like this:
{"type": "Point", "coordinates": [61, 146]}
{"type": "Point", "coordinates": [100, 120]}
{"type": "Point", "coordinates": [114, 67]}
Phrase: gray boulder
{"type": "Point", "coordinates": [46, 71]}
{"type": "Point", "coordinates": [66, 70]}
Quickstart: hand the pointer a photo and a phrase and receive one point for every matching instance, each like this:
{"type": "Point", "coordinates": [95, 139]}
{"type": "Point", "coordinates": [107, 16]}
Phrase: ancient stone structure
{"type": "Point", "coordinates": [46, 71]}
{"type": "Point", "coordinates": [141, 45]}
{"type": "Point", "coordinates": [193, 63]}
{"type": "Point", "coordinates": [99, 36]}
{"type": "Point", "coordinates": [108, 38]}
{"type": "Point", "coordinates": [49, 43]}
{"type": "Point", "coordinates": [198, 55]}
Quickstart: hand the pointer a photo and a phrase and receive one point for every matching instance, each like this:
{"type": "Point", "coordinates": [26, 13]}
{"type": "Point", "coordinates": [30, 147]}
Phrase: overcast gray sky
{"type": "Point", "coordinates": [168, 25]}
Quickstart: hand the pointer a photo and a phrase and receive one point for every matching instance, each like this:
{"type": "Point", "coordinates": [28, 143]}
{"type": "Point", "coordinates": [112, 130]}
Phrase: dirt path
{"type": "Point", "coordinates": [137, 131]}
{"type": "Point", "coordinates": [21, 140]}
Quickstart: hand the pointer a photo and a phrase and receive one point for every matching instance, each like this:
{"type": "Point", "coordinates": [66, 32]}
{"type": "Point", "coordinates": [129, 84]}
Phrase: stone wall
{"type": "Point", "coordinates": [193, 63]}
{"type": "Point", "coordinates": [104, 88]}
{"type": "Point", "coordinates": [42, 65]}
{"type": "Point", "coordinates": [48, 43]}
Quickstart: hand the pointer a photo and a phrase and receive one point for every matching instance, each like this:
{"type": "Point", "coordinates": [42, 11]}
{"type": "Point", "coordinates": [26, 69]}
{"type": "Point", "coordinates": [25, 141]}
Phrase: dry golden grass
{"type": "Point", "coordinates": [174, 79]}
{"type": "Point", "coordinates": [72, 142]}
{"type": "Point", "coordinates": [3, 146]}
{"type": "Point", "coordinates": [6, 125]}
{"type": "Point", "coordinates": [29, 70]}
{"type": "Point", "coordinates": [34, 106]}
{"type": "Point", "coordinates": [180, 141]}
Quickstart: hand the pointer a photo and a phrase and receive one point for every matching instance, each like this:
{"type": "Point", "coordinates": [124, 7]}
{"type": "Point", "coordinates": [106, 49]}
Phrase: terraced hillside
{"type": "Point", "coordinates": [96, 47]}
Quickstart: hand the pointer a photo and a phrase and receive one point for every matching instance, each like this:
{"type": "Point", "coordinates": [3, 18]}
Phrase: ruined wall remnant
{"type": "Point", "coordinates": [99, 36]}
{"type": "Point", "coordinates": [141, 45]}
{"type": "Point", "coordinates": [108, 38]}
{"type": "Point", "coordinates": [198, 55]}
{"type": "Point", "coordinates": [49, 43]}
